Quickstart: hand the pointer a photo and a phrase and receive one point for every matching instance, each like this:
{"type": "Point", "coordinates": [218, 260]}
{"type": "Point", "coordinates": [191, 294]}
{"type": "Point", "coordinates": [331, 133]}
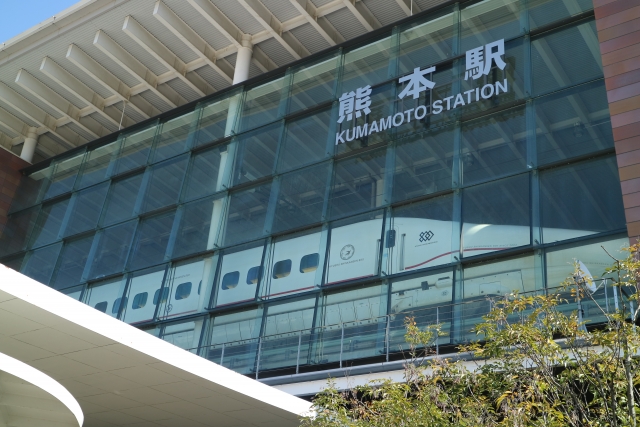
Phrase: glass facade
{"type": "Point", "coordinates": [269, 231]}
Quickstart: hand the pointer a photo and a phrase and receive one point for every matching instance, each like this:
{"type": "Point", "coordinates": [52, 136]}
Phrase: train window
{"type": "Point", "coordinates": [253, 275]}
{"type": "Point", "coordinates": [161, 296]}
{"type": "Point", "coordinates": [116, 305]}
{"type": "Point", "coordinates": [309, 263]}
{"type": "Point", "coordinates": [282, 269]}
{"type": "Point", "coordinates": [183, 291]}
{"type": "Point", "coordinates": [101, 306]}
{"type": "Point", "coordinates": [139, 300]}
{"type": "Point", "coordinates": [230, 280]}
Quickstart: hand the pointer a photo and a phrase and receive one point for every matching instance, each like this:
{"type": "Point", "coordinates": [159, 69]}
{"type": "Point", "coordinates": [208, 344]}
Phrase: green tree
{"type": "Point", "coordinates": [532, 365]}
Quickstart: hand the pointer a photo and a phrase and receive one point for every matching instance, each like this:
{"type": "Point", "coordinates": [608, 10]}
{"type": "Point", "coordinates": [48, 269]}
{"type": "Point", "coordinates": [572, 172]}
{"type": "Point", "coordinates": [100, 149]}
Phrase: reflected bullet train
{"type": "Point", "coordinates": [295, 265]}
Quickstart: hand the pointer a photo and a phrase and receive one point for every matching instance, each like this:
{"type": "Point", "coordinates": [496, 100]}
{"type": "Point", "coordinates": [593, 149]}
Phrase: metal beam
{"type": "Point", "coordinates": [120, 92]}
{"type": "Point", "coordinates": [193, 40]}
{"type": "Point", "coordinates": [13, 124]}
{"type": "Point", "coordinates": [362, 14]}
{"type": "Point", "coordinates": [165, 56]}
{"type": "Point", "coordinates": [269, 21]}
{"type": "Point", "coordinates": [409, 7]}
{"type": "Point", "coordinates": [127, 61]}
{"type": "Point", "coordinates": [321, 24]}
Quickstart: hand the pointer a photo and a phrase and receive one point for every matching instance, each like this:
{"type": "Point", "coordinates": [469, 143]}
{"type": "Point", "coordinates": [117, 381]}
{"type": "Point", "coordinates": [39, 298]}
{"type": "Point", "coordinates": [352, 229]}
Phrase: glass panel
{"type": "Point", "coordinates": [236, 282]}
{"type": "Point", "coordinates": [488, 21]}
{"type": "Point", "coordinates": [96, 165]}
{"type": "Point", "coordinates": [189, 287]}
{"type": "Point", "coordinates": [47, 228]}
{"type": "Point", "coordinates": [553, 69]}
{"type": "Point", "coordinates": [14, 263]}
{"type": "Point", "coordinates": [496, 216]}
{"type": "Point", "coordinates": [40, 263]}
{"type": "Point", "coordinates": [358, 312]}
{"type": "Point", "coordinates": [261, 104]}
{"type": "Point", "coordinates": [573, 122]}
{"type": "Point", "coordinates": [358, 183]}
{"type": "Point", "coordinates": [86, 208]}
{"type": "Point", "coordinates": [314, 83]}
{"type": "Point", "coordinates": [301, 197]}
{"type": "Point", "coordinates": [246, 214]}
{"type": "Point", "coordinates": [135, 150]}
{"type": "Point", "coordinates": [106, 296]}
{"type": "Point", "coordinates": [354, 252]}
{"type": "Point", "coordinates": [152, 237]}
{"type": "Point", "coordinates": [64, 176]}
{"type": "Point", "coordinates": [485, 281]}
{"type": "Point", "coordinates": [420, 235]}
{"type": "Point", "coordinates": [426, 43]}
{"type": "Point", "coordinates": [287, 326]}
{"type": "Point", "coordinates": [30, 189]}
{"type": "Point", "coordinates": [239, 333]}
{"type": "Point", "coordinates": [367, 65]}
{"type": "Point", "coordinates": [165, 183]}
{"type": "Point", "coordinates": [256, 154]}
{"type": "Point", "coordinates": [121, 202]}
{"type": "Point", "coordinates": [143, 286]}
{"type": "Point", "coordinates": [75, 293]}
{"type": "Point", "coordinates": [427, 299]}
{"type": "Point", "coordinates": [291, 269]}
{"type": "Point", "coordinates": [581, 199]}
{"type": "Point", "coordinates": [307, 140]}
{"type": "Point", "coordinates": [15, 233]}
{"type": "Point", "coordinates": [494, 146]}
{"type": "Point", "coordinates": [545, 12]}
{"type": "Point", "coordinates": [199, 226]}
{"type": "Point", "coordinates": [185, 335]}
{"type": "Point", "coordinates": [112, 250]}
{"type": "Point", "coordinates": [560, 265]}
{"type": "Point", "coordinates": [206, 172]}
{"type": "Point", "coordinates": [423, 164]}
{"type": "Point", "coordinates": [214, 123]}
{"type": "Point", "coordinates": [72, 261]}
{"type": "Point", "coordinates": [173, 139]}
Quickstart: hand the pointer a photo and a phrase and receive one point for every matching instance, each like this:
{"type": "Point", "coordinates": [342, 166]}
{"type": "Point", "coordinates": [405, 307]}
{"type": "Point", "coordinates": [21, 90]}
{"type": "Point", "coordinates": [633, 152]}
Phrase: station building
{"type": "Point", "coordinates": [358, 162]}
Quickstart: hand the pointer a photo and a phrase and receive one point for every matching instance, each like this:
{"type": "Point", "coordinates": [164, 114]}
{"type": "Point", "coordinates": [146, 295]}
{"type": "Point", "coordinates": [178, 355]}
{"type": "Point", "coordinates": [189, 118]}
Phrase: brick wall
{"type": "Point", "coordinates": [618, 24]}
{"type": "Point", "coordinates": [10, 166]}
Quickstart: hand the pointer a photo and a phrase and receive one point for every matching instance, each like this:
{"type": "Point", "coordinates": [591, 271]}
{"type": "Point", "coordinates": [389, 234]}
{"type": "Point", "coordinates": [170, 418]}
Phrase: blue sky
{"type": "Point", "coordinates": [17, 16]}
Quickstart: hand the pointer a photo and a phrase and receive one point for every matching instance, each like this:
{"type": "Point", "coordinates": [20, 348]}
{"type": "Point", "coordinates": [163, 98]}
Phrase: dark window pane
{"type": "Point", "coordinates": [64, 176]}
{"type": "Point", "coordinates": [15, 233]}
{"type": "Point", "coordinates": [213, 122]}
{"type": "Point", "coordinates": [487, 21]}
{"type": "Point", "coordinates": [423, 164]}
{"type": "Point", "coordinates": [496, 216]}
{"type": "Point", "coordinates": [86, 208]}
{"type": "Point", "coordinates": [165, 183]}
{"type": "Point", "coordinates": [230, 280]}
{"type": "Point", "coordinates": [96, 165]}
{"type": "Point", "coordinates": [246, 214]}
{"type": "Point", "coordinates": [102, 306]}
{"type": "Point", "coordinates": [116, 305]}
{"type": "Point", "coordinates": [545, 12]}
{"type": "Point", "coordinates": [309, 263]}
{"type": "Point", "coordinates": [256, 153]}
{"type": "Point", "coordinates": [199, 226]}
{"type": "Point", "coordinates": [358, 183]}
{"type": "Point", "coordinates": [31, 189]}
{"type": "Point", "coordinates": [301, 197]}
{"type": "Point", "coordinates": [420, 235]}
{"type": "Point", "coordinates": [121, 200]}
{"type": "Point", "coordinates": [139, 301]}
{"type": "Point", "coordinates": [554, 69]}
{"type": "Point", "coordinates": [72, 261]}
{"type": "Point", "coordinates": [183, 291]}
{"type": "Point", "coordinates": [307, 140]}
{"type": "Point", "coordinates": [313, 84]}
{"type": "Point", "coordinates": [205, 174]}
{"type": "Point", "coordinates": [112, 250]}
{"type": "Point", "coordinates": [47, 228]}
{"type": "Point", "coordinates": [40, 263]}
{"type": "Point", "coordinates": [152, 237]}
{"type": "Point", "coordinates": [494, 146]}
{"type": "Point", "coordinates": [423, 44]}
{"type": "Point", "coordinates": [135, 150]}
{"type": "Point", "coordinates": [366, 65]}
{"type": "Point", "coordinates": [282, 269]}
{"type": "Point", "coordinates": [173, 137]}
{"type": "Point", "coordinates": [261, 104]}
{"type": "Point", "coordinates": [573, 122]}
{"type": "Point", "coordinates": [254, 275]}
{"type": "Point", "coordinates": [581, 199]}
{"type": "Point", "coordinates": [241, 266]}
{"type": "Point", "coordinates": [160, 296]}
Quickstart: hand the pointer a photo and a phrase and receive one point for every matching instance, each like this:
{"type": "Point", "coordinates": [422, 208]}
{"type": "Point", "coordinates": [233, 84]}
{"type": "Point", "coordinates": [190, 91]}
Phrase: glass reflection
{"type": "Point", "coordinates": [185, 335]}
{"type": "Point", "coordinates": [107, 296]}
{"type": "Point", "coordinates": [240, 274]}
{"type": "Point", "coordinates": [144, 295]}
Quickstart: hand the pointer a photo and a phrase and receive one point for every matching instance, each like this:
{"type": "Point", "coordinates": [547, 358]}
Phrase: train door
{"type": "Point", "coordinates": [142, 298]}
